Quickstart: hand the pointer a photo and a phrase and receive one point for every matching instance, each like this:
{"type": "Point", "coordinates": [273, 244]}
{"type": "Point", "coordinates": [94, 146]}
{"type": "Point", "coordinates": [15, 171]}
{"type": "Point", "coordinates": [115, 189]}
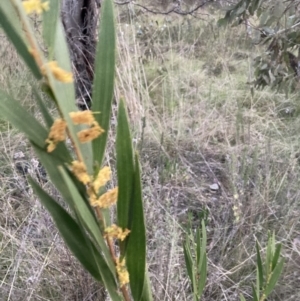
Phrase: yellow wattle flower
{"type": "Point", "coordinates": [102, 178]}
{"type": "Point", "coordinates": [59, 73]}
{"type": "Point", "coordinates": [79, 170]}
{"type": "Point", "coordinates": [90, 133]}
{"type": "Point", "coordinates": [123, 274]}
{"type": "Point", "coordinates": [84, 117]}
{"type": "Point", "coordinates": [106, 200]}
{"type": "Point", "coordinates": [57, 133]}
{"type": "Point", "coordinates": [116, 232]}
{"type": "Point", "coordinates": [35, 6]}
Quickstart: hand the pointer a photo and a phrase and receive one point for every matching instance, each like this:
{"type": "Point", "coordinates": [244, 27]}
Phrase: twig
{"type": "Point", "coordinates": [287, 29]}
{"type": "Point", "coordinates": [176, 9]}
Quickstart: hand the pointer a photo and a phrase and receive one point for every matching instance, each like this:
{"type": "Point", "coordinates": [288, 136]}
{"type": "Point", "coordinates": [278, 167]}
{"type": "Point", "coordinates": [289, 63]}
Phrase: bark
{"type": "Point", "coordinates": [80, 19]}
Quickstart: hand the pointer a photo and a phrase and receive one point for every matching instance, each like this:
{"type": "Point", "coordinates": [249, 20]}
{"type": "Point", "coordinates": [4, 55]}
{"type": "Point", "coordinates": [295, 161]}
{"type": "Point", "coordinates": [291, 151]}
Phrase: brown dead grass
{"type": "Point", "coordinates": [187, 80]}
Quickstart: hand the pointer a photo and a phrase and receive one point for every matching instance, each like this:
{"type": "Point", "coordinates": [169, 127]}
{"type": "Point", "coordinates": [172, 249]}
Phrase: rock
{"type": "Point", "coordinates": [214, 187]}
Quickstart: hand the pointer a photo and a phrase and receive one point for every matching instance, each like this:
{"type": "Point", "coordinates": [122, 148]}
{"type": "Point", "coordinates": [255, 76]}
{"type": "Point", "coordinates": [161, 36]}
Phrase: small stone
{"type": "Point", "coordinates": [214, 187]}
{"type": "Point", "coordinates": [19, 155]}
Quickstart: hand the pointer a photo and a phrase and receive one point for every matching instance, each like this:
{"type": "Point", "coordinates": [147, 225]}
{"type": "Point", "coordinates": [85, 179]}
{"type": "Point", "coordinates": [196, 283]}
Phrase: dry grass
{"type": "Point", "coordinates": [195, 124]}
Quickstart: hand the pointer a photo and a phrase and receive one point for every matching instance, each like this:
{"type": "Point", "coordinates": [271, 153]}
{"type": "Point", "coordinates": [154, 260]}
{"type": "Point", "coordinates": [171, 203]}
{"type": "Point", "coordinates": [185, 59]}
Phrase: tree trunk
{"type": "Point", "coordinates": [80, 20]}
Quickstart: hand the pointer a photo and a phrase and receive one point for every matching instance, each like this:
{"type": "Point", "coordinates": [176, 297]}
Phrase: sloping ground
{"type": "Point", "coordinates": [206, 146]}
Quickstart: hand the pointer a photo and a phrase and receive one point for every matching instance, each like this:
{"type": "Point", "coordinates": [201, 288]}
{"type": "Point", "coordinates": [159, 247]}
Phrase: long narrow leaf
{"type": "Point", "coordinates": [125, 168]}
{"type": "Point", "coordinates": [260, 275]}
{"type": "Point", "coordinates": [269, 256]}
{"type": "Point", "coordinates": [13, 112]}
{"type": "Point", "coordinates": [276, 256]}
{"type": "Point", "coordinates": [51, 164]}
{"type": "Point", "coordinates": [10, 11]}
{"type": "Point", "coordinates": [104, 77]}
{"type": "Point", "coordinates": [274, 277]}
{"type": "Point", "coordinates": [273, 243]}
{"type": "Point", "coordinates": [65, 96]}
{"type": "Point", "coordinates": [242, 298]}
{"type": "Point", "coordinates": [189, 264]}
{"type": "Point", "coordinates": [198, 249]}
{"type": "Point", "coordinates": [203, 276]}
{"type": "Point", "coordinates": [108, 279]}
{"type": "Point", "coordinates": [79, 243]}
{"type": "Point", "coordinates": [50, 19]}
{"type": "Point", "coordinates": [147, 295]}
{"type": "Point", "coordinates": [44, 110]}
{"type": "Point", "coordinates": [70, 194]}
{"type": "Point", "coordinates": [203, 244]}
{"type": "Point", "coordinates": [255, 293]}
{"type": "Point", "coordinates": [136, 249]}
{"type": "Point", "coordinates": [18, 42]}
{"type": "Point", "coordinates": [87, 218]}
{"type": "Point", "coordinates": [69, 230]}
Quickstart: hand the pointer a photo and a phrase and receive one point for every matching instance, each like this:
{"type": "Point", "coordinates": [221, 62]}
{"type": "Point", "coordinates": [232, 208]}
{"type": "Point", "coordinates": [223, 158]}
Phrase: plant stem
{"type": "Point", "coordinates": [112, 252]}
{"type": "Point", "coordinates": [125, 293]}
{"type": "Point", "coordinates": [34, 47]}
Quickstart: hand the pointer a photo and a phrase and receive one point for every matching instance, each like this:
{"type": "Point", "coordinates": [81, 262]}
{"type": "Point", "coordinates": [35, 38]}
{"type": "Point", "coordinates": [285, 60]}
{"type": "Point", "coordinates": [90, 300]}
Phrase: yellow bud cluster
{"type": "Point", "coordinates": [116, 232]}
{"type": "Point", "coordinates": [102, 178]}
{"type": "Point", "coordinates": [90, 133]}
{"type": "Point", "coordinates": [85, 117]}
{"type": "Point", "coordinates": [79, 170]}
{"type": "Point", "coordinates": [122, 272]}
{"type": "Point", "coordinates": [57, 133]}
{"type": "Point", "coordinates": [35, 6]}
{"type": "Point", "coordinates": [106, 200]}
{"type": "Point", "coordinates": [58, 130]}
{"type": "Point", "coordinates": [58, 73]}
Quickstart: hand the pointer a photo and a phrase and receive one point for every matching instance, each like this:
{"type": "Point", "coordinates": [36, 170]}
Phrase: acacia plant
{"type": "Point", "coordinates": [71, 147]}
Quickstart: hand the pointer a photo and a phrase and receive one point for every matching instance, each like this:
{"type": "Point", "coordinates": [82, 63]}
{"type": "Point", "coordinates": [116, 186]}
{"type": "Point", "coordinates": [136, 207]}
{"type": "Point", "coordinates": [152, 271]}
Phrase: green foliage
{"type": "Point", "coordinates": [136, 250]}
{"type": "Point", "coordinates": [125, 167]}
{"type": "Point", "coordinates": [274, 25]}
{"type": "Point", "coordinates": [85, 226]}
{"type": "Point", "coordinates": [70, 231]}
{"type": "Point", "coordinates": [103, 87]}
{"type": "Point", "coordinates": [12, 111]}
{"type": "Point", "coordinates": [267, 274]}
{"type": "Point", "coordinates": [50, 23]}
{"type": "Point", "coordinates": [238, 12]}
{"type": "Point", "coordinates": [85, 229]}
{"type": "Point", "coordinates": [195, 247]}
{"type": "Point", "coordinates": [14, 31]}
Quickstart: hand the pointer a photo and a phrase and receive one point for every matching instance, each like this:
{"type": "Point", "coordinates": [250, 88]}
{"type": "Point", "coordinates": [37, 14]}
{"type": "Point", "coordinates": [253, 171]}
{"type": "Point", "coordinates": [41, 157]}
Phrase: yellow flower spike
{"type": "Point", "coordinates": [80, 171]}
{"type": "Point", "coordinates": [102, 178]}
{"type": "Point", "coordinates": [90, 134]}
{"type": "Point", "coordinates": [37, 6]}
{"type": "Point", "coordinates": [84, 117]}
{"type": "Point", "coordinates": [58, 130]}
{"type": "Point", "coordinates": [60, 74]}
{"type": "Point", "coordinates": [122, 271]}
{"type": "Point", "coordinates": [51, 145]}
{"type": "Point", "coordinates": [92, 196]}
{"type": "Point", "coordinates": [116, 232]}
{"type": "Point", "coordinates": [57, 133]}
{"type": "Point", "coordinates": [106, 200]}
